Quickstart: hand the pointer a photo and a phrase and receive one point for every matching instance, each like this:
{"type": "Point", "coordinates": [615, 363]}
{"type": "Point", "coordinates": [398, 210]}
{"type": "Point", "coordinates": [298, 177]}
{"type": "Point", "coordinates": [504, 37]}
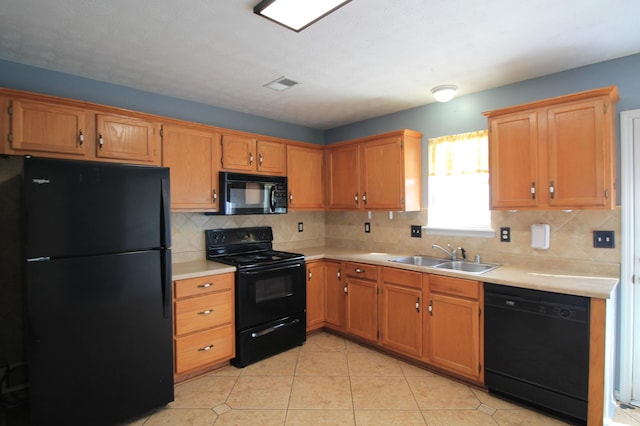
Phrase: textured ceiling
{"type": "Point", "coordinates": [370, 58]}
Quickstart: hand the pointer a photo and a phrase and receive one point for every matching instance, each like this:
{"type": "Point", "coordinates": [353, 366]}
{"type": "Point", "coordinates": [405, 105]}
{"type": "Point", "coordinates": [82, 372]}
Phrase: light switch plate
{"type": "Point", "coordinates": [416, 231]}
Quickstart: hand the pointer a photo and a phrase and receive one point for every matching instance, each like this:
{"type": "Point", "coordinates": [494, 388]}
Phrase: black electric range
{"type": "Point", "coordinates": [270, 291]}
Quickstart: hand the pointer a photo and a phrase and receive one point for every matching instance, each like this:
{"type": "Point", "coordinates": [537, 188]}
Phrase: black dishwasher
{"type": "Point", "coordinates": [537, 348]}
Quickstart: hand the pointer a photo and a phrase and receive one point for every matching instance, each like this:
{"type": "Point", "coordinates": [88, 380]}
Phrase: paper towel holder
{"type": "Point", "coordinates": [540, 236]}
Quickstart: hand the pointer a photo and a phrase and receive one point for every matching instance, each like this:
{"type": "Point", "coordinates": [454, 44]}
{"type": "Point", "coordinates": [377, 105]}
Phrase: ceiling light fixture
{"type": "Point", "coordinates": [296, 14]}
{"type": "Point", "coordinates": [444, 93]}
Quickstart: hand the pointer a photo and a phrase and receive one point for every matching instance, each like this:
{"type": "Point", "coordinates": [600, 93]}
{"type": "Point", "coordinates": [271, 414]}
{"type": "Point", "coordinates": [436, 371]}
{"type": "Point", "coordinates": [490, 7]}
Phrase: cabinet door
{"type": "Point", "coordinates": [513, 161]}
{"type": "Point", "coordinates": [402, 318]}
{"type": "Point", "coordinates": [305, 178]}
{"type": "Point", "coordinates": [454, 334]}
{"type": "Point", "coordinates": [190, 156]}
{"type": "Point", "coordinates": [335, 297]}
{"type": "Point", "coordinates": [315, 295]}
{"type": "Point", "coordinates": [272, 158]}
{"type": "Point", "coordinates": [342, 178]}
{"type": "Point", "coordinates": [362, 311]}
{"type": "Point", "coordinates": [382, 181]}
{"type": "Point", "coordinates": [127, 139]}
{"type": "Point", "coordinates": [44, 127]}
{"type": "Point", "coordinates": [238, 153]}
{"type": "Point", "coordinates": [579, 159]}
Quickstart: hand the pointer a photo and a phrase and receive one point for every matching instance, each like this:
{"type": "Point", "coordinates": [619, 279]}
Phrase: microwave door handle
{"type": "Point", "coordinates": [272, 199]}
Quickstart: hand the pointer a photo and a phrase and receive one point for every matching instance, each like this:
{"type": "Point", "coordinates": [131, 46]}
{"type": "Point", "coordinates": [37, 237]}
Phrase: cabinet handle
{"type": "Point", "coordinates": [346, 290]}
{"type": "Point", "coordinates": [533, 190]}
{"type": "Point", "coordinates": [290, 197]}
{"type": "Point", "coordinates": [310, 275]}
{"type": "Point", "coordinates": [206, 312]}
{"type": "Point", "coordinates": [206, 285]}
{"type": "Point", "coordinates": [215, 196]}
{"type": "Point", "coordinates": [260, 158]}
{"type": "Point", "coordinates": [417, 304]}
{"type": "Point", "coordinates": [359, 271]}
{"type": "Point", "coordinates": [431, 307]}
{"type": "Point", "coordinates": [356, 198]}
{"type": "Point", "coordinates": [552, 190]}
{"type": "Point", "coordinates": [81, 138]}
{"type": "Point", "coordinates": [100, 140]}
{"type": "Point", "coordinates": [364, 197]}
{"type": "Point", "coordinates": [339, 274]}
{"type": "Point", "coordinates": [250, 158]}
{"type": "Point", "coordinates": [206, 348]}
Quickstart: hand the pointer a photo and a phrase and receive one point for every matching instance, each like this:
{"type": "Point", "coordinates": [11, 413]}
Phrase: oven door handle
{"type": "Point", "coordinates": [274, 328]}
{"type": "Point", "coordinates": [275, 268]}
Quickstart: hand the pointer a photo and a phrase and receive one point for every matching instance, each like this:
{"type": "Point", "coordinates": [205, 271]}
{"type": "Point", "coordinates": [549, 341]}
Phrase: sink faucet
{"type": "Point", "coordinates": [452, 251]}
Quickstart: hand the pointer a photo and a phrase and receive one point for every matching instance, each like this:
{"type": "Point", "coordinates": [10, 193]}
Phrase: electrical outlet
{"type": "Point", "coordinates": [300, 227]}
{"type": "Point", "coordinates": [367, 227]}
{"type": "Point", "coordinates": [505, 234]}
{"type": "Point", "coordinates": [416, 231]}
{"type": "Point", "coordinates": [604, 239]}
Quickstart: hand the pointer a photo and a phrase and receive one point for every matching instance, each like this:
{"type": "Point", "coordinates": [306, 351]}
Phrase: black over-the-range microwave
{"type": "Point", "coordinates": [242, 193]}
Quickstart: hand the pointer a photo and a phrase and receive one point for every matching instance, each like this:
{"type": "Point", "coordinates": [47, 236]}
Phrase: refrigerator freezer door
{"type": "Point", "coordinates": [100, 342]}
{"type": "Point", "coordinates": [78, 208]}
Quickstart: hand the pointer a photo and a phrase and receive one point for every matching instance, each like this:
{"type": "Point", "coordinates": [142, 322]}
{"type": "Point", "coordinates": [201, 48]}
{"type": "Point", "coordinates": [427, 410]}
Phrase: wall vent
{"type": "Point", "coordinates": [280, 84]}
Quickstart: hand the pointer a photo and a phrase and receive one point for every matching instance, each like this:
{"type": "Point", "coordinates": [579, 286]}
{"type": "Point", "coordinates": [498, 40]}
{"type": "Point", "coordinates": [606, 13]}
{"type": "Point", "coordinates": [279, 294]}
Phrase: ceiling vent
{"type": "Point", "coordinates": [281, 84]}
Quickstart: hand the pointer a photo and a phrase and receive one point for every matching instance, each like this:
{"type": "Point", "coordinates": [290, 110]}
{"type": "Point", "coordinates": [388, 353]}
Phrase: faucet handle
{"type": "Point", "coordinates": [464, 253]}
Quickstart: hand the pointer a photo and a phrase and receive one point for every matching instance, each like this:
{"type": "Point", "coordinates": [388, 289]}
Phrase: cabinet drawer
{"type": "Point", "coordinates": [204, 348]}
{"type": "Point", "coordinates": [202, 285]}
{"type": "Point", "coordinates": [454, 286]}
{"type": "Point", "coordinates": [203, 312]}
{"type": "Point", "coordinates": [402, 277]}
{"type": "Point", "coordinates": [361, 270]}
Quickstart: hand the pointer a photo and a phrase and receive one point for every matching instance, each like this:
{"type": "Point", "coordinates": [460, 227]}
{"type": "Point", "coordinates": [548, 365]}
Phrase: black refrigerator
{"type": "Point", "coordinates": [96, 282]}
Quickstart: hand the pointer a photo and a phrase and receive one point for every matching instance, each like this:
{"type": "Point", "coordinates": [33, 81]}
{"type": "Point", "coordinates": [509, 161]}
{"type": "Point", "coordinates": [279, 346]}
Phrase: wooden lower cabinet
{"type": "Point", "coordinates": [316, 294]}
{"type": "Point", "coordinates": [361, 290]}
{"type": "Point", "coordinates": [335, 300]}
{"type": "Point", "coordinates": [401, 311]}
{"type": "Point", "coordinates": [430, 318]}
{"type": "Point", "coordinates": [453, 325]}
{"type": "Point", "coordinates": [204, 331]}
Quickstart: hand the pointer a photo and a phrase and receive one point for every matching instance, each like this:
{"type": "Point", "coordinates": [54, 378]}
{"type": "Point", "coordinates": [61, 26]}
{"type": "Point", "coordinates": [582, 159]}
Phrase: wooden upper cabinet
{"type": "Point", "coordinates": [272, 157]}
{"type": "Point", "coordinates": [42, 127]}
{"type": "Point", "coordinates": [246, 154]}
{"type": "Point", "coordinates": [127, 139]}
{"type": "Point", "coordinates": [343, 180]}
{"type": "Point", "coordinates": [580, 155]}
{"type": "Point", "coordinates": [513, 154]}
{"type": "Point", "coordinates": [376, 173]}
{"type": "Point", "coordinates": [305, 174]}
{"type": "Point", "coordinates": [238, 153]}
{"type": "Point", "coordinates": [554, 154]}
{"type": "Point", "coordinates": [191, 156]}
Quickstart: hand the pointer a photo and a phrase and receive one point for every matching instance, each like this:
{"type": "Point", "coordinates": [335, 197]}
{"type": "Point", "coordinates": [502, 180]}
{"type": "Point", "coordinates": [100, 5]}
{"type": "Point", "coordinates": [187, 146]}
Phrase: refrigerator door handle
{"type": "Point", "coordinates": [166, 283]}
{"type": "Point", "coordinates": [166, 214]}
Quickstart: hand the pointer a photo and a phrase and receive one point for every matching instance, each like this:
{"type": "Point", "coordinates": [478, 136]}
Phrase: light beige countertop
{"type": "Point", "coordinates": [567, 282]}
{"type": "Point", "coordinates": [199, 268]}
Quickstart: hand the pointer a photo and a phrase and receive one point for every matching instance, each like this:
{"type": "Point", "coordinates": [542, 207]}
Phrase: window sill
{"type": "Point", "coordinates": [461, 232]}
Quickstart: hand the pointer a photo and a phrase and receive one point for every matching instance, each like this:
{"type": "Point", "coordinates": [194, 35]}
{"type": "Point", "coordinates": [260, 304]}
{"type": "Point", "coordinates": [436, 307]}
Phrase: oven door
{"type": "Point", "coordinates": [265, 294]}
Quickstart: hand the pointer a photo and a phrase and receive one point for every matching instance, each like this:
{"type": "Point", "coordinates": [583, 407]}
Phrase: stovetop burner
{"type": "Point", "coordinates": [245, 247]}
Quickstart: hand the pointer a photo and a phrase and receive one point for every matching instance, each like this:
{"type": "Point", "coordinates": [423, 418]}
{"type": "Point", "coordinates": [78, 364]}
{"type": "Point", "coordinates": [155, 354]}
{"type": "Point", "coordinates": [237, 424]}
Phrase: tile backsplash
{"type": "Point", "coordinates": [187, 231]}
{"type": "Point", "coordinates": [571, 242]}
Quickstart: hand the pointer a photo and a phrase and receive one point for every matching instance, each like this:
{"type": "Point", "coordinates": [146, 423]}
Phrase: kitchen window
{"type": "Point", "coordinates": [458, 184]}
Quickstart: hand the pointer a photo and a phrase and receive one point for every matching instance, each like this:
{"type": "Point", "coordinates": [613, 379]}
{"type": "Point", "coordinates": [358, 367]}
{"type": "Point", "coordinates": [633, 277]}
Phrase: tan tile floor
{"type": "Point", "coordinates": [333, 381]}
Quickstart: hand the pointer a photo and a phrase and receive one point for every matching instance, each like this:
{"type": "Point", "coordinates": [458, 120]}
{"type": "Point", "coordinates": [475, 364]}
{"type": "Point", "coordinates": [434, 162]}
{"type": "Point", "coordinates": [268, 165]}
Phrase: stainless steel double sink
{"type": "Point", "coordinates": [454, 265]}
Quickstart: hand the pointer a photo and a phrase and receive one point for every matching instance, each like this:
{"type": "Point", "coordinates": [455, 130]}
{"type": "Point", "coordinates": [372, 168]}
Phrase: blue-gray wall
{"type": "Point", "coordinates": [462, 114]}
{"type": "Point", "coordinates": [32, 79]}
